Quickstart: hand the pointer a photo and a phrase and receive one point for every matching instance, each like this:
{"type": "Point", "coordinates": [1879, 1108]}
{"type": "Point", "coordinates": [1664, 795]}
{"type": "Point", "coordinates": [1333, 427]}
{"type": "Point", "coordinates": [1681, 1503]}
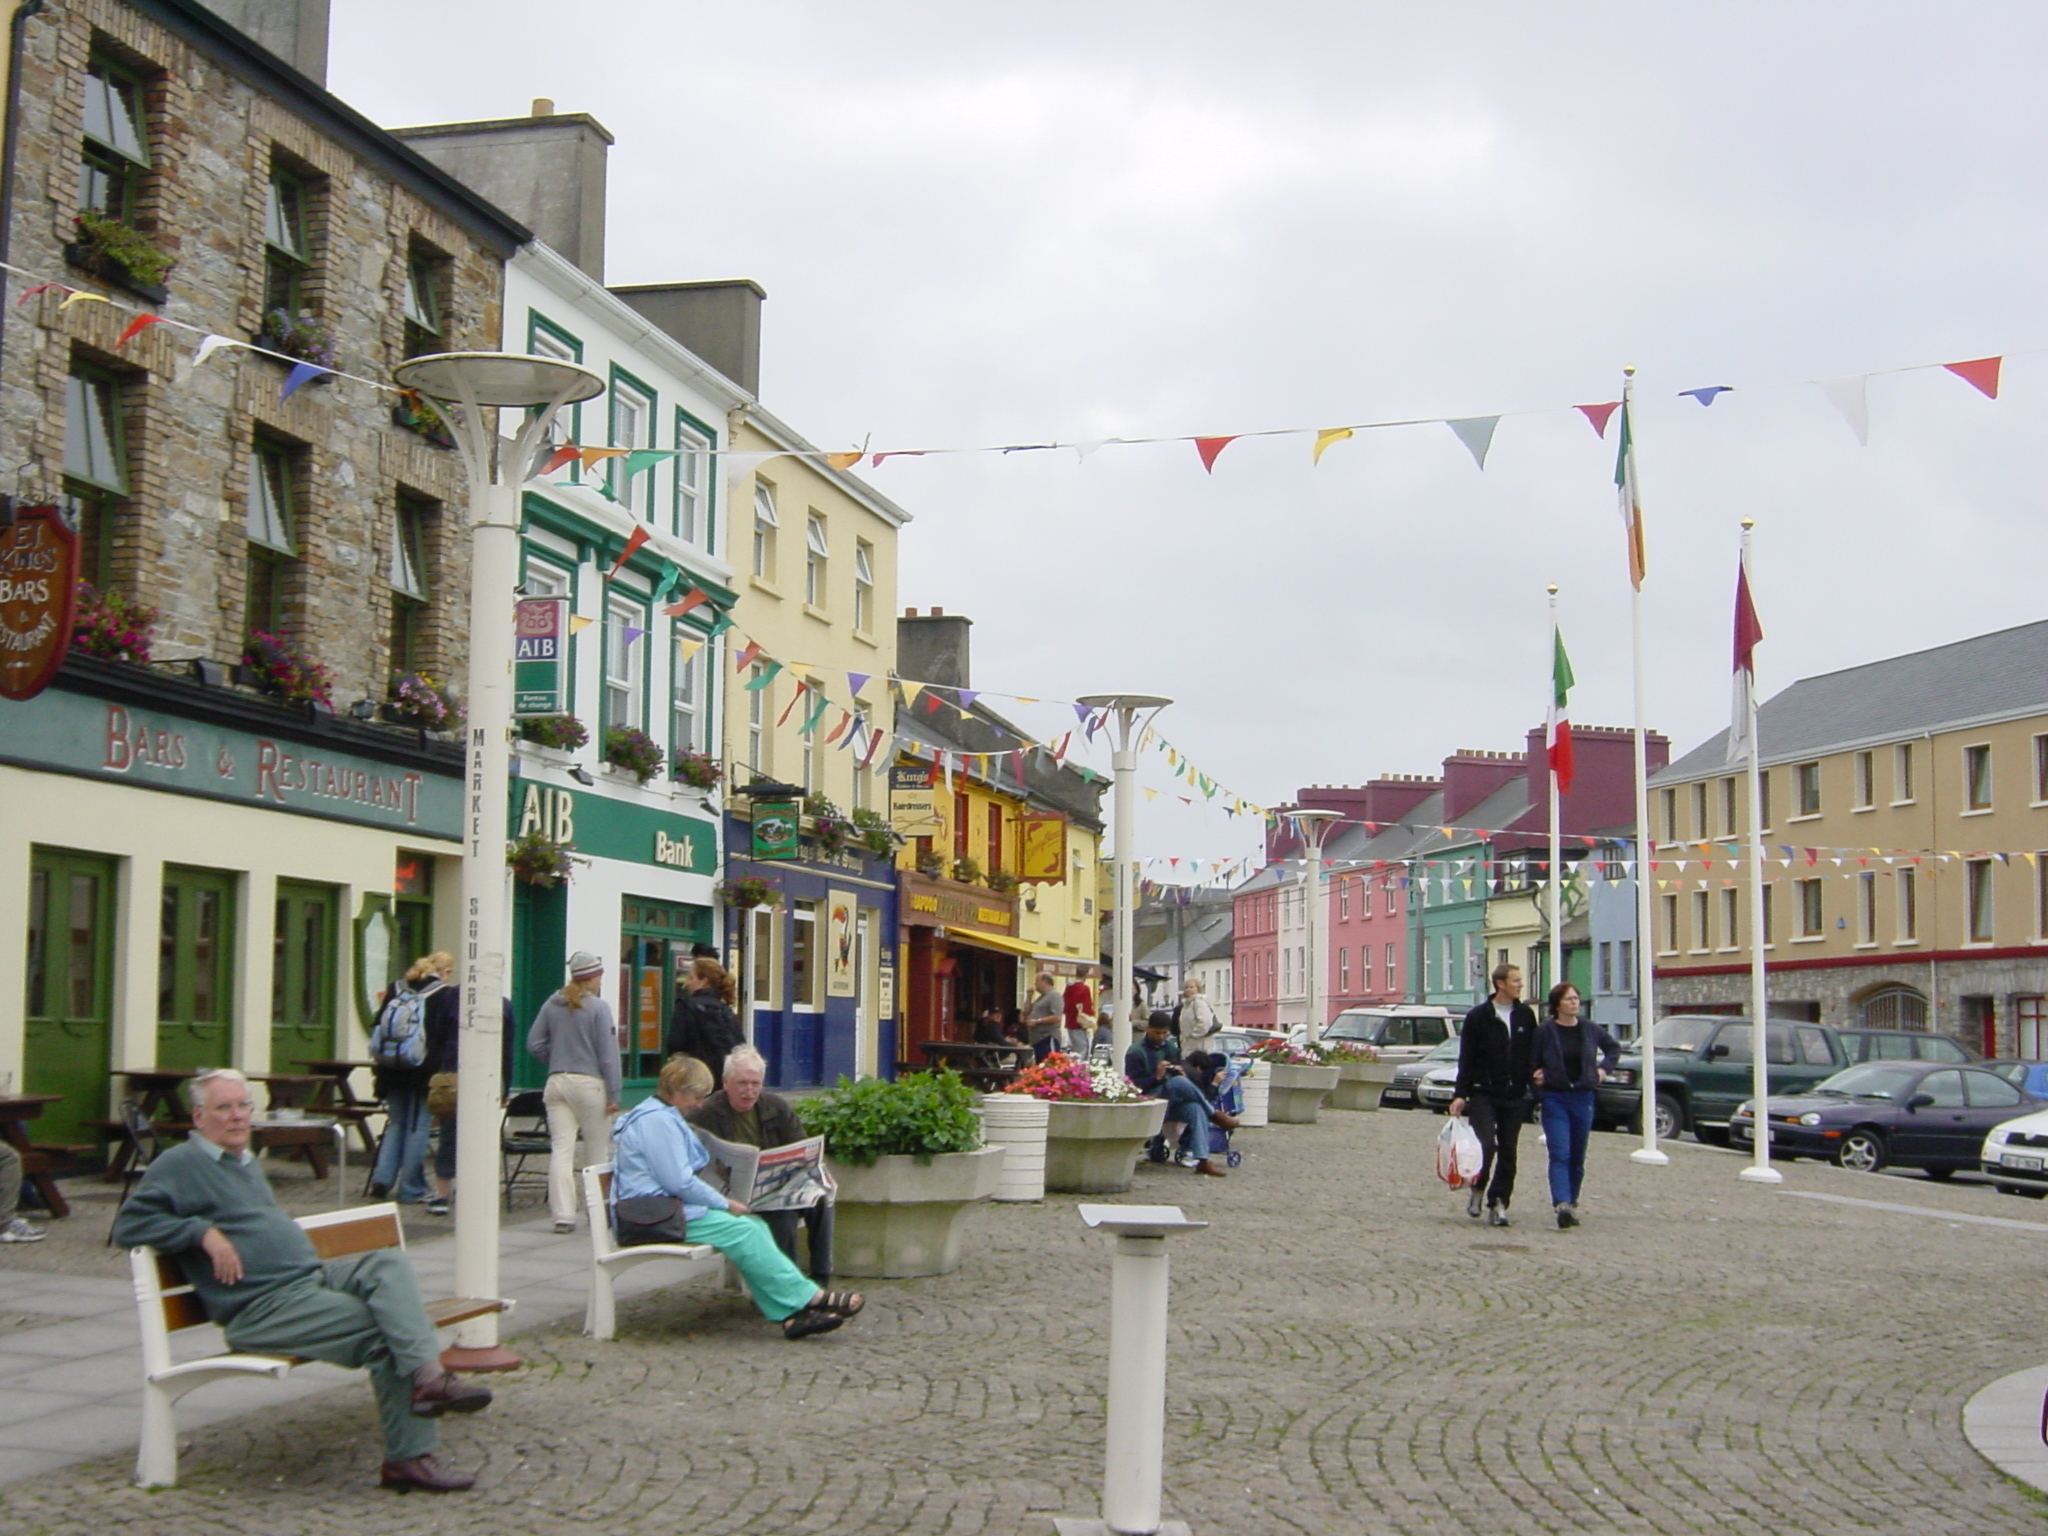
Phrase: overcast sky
{"type": "Point", "coordinates": [1000, 224]}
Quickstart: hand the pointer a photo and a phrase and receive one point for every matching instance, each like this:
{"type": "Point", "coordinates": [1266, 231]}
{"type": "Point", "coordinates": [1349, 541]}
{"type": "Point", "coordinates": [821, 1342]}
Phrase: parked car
{"type": "Point", "coordinates": [1438, 1087]}
{"type": "Point", "coordinates": [1400, 1093]}
{"type": "Point", "coordinates": [2030, 1077]}
{"type": "Point", "coordinates": [1703, 1072]}
{"type": "Point", "coordinates": [2014, 1155]}
{"type": "Point", "coordinates": [1398, 1031]}
{"type": "Point", "coordinates": [1237, 1041]}
{"type": "Point", "coordinates": [1904, 1045]}
{"type": "Point", "coordinates": [1910, 1114]}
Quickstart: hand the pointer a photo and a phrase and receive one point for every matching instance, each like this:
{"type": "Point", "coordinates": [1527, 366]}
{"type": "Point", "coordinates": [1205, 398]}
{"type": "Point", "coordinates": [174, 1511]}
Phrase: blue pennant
{"type": "Point", "coordinates": [1706, 396]}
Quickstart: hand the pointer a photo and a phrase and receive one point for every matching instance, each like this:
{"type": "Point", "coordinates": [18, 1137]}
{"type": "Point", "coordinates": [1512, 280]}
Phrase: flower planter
{"type": "Point", "coordinates": [1258, 1096]}
{"type": "Point", "coordinates": [109, 270]}
{"type": "Point", "coordinates": [1093, 1148]}
{"type": "Point", "coordinates": [1016, 1122]}
{"type": "Point", "coordinates": [897, 1218]}
{"type": "Point", "coordinates": [1359, 1084]}
{"type": "Point", "coordinates": [1298, 1093]}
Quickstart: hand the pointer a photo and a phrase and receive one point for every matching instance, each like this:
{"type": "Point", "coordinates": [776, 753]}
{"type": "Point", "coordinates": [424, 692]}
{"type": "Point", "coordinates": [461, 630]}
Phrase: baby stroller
{"type": "Point", "coordinates": [1229, 1098]}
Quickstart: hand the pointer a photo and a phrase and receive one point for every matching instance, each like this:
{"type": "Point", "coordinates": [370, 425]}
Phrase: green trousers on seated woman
{"type": "Point", "coordinates": [779, 1288]}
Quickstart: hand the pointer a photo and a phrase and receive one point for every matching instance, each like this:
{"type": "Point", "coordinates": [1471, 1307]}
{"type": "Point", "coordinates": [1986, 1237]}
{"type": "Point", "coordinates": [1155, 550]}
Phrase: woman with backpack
{"type": "Point", "coordinates": [415, 1022]}
{"type": "Point", "coordinates": [703, 1023]}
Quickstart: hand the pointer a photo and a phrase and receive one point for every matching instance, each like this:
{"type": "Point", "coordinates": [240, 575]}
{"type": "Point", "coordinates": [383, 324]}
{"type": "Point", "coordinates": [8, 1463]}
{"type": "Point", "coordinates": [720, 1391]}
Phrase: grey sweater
{"type": "Point", "coordinates": [196, 1185]}
{"type": "Point", "coordinates": [581, 1040]}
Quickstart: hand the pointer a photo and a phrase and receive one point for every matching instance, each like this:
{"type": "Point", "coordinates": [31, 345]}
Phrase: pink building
{"type": "Point", "coordinates": [1255, 950]}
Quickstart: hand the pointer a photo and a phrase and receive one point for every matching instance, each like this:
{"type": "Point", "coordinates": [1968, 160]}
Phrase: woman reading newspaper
{"type": "Point", "coordinates": [744, 1113]}
{"type": "Point", "coordinates": [657, 1153]}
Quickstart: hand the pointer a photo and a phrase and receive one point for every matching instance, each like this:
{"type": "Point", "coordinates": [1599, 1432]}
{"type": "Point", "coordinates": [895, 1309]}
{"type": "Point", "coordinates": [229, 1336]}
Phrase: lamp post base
{"type": "Point", "coordinates": [490, 1357]}
{"type": "Point", "coordinates": [1065, 1525]}
{"type": "Point", "coordinates": [1754, 1175]}
{"type": "Point", "coordinates": [1650, 1157]}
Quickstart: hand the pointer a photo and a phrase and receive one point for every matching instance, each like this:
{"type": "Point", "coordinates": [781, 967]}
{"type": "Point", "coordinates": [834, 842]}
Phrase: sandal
{"type": "Point", "coordinates": [801, 1325]}
{"type": "Point", "coordinates": [841, 1303]}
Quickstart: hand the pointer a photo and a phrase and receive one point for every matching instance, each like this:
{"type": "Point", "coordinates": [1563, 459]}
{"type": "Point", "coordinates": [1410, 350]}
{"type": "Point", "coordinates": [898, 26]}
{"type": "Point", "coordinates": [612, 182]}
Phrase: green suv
{"type": "Point", "coordinates": [1704, 1072]}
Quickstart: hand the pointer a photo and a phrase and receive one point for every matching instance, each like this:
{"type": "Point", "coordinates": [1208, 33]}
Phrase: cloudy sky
{"type": "Point", "coordinates": [1006, 224]}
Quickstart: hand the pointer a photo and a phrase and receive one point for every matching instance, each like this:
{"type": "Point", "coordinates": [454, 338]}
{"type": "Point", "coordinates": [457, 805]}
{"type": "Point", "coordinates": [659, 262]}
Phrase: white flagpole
{"type": "Point", "coordinates": [1760, 1170]}
{"type": "Point", "coordinates": [1646, 944]}
{"type": "Point", "coordinates": [1556, 922]}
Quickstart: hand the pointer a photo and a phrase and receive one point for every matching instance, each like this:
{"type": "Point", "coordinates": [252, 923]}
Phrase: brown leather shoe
{"type": "Point", "coordinates": [1223, 1118]}
{"type": "Point", "coordinates": [426, 1474]}
{"type": "Point", "coordinates": [448, 1393]}
{"type": "Point", "coordinates": [1208, 1166]}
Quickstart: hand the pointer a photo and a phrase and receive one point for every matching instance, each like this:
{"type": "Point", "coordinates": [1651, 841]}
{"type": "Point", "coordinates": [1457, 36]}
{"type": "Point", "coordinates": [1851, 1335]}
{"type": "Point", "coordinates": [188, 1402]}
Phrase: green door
{"type": "Point", "coordinates": [540, 930]}
{"type": "Point", "coordinates": [195, 969]}
{"type": "Point", "coordinates": [68, 1007]}
{"type": "Point", "coordinates": [302, 975]}
{"type": "Point", "coordinates": [654, 942]}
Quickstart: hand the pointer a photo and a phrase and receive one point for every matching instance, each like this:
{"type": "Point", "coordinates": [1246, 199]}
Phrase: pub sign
{"type": "Point", "coordinates": [38, 599]}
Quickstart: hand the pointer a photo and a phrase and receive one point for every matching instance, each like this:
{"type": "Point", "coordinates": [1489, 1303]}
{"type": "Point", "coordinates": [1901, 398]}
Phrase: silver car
{"type": "Point", "coordinates": [1403, 1091]}
{"type": "Point", "coordinates": [1438, 1087]}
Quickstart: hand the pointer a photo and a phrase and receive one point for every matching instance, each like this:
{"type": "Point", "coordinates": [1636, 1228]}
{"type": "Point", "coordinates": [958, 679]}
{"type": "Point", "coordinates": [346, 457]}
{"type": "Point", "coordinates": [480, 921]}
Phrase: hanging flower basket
{"type": "Point", "coordinates": [537, 859]}
{"type": "Point", "coordinates": [416, 699]}
{"type": "Point", "coordinates": [750, 891]}
{"type": "Point", "coordinates": [277, 668]}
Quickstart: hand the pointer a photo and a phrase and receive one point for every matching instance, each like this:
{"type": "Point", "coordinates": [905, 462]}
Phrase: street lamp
{"type": "Point", "coordinates": [1314, 826]}
{"type": "Point", "coordinates": [474, 382]}
{"type": "Point", "coordinates": [1124, 759]}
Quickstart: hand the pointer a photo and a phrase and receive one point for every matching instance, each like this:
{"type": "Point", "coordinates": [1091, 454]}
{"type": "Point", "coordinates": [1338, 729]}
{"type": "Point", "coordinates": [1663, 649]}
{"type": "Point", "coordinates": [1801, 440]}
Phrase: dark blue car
{"type": "Point", "coordinates": [1913, 1114]}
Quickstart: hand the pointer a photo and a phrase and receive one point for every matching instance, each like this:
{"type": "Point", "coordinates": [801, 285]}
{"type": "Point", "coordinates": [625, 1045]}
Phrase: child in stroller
{"type": "Point", "coordinates": [1221, 1082]}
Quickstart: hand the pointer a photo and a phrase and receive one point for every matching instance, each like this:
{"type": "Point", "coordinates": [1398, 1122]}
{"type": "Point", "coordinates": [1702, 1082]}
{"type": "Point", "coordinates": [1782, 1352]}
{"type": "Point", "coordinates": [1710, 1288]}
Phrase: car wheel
{"type": "Point", "coordinates": [1940, 1175]}
{"type": "Point", "coordinates": [1862, 1150]}
{"type": "Point", "coordinates": [1670, 1118]}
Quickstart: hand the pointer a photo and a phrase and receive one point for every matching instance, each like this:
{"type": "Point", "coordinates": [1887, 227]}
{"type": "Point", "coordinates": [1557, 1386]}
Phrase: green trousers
{"type": "Point", "coordinates": [362, 1313]}
{"type": "Point", "coordinates": [778, 1286]}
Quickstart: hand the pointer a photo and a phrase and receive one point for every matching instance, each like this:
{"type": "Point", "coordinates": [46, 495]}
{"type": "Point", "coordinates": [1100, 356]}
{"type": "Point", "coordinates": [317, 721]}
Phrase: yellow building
{"type": "Point", "coordinates": [1905, 807]}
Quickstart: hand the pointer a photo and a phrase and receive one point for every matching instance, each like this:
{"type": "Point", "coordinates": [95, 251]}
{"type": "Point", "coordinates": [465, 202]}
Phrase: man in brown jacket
{"type": "Point", "coordinates": [743, 1111]}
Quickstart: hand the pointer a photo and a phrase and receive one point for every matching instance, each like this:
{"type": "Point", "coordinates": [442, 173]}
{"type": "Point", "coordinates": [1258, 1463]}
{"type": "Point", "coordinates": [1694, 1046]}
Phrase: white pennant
{"type": "Point", "coordinates": [1850, 396]}
{"type": "Point", "coordinates": [207, 348]}
{"type": "Point", "coordinates": [740, 467]}
{"type": "Point", "coordinates": [1476, 433]}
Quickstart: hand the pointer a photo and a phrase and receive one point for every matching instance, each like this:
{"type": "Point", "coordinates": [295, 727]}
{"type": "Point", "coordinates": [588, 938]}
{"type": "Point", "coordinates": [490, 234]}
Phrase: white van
{"type": "Point", "coordinates": [1398, 1031]}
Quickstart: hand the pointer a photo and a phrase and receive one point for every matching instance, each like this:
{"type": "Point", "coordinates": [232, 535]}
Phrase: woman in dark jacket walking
{"type": "Point", "coordinates": [703, 1023]}
{"type": "Point", "coordinates": [1572, 1055]}
{"type": "Point", "coordinates": [402, 1151]}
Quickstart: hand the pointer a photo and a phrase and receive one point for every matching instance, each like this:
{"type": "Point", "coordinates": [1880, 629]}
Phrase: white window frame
{"type": "Point", "coordinates": [863, 586]}
{"type": "Point", "coordinates": [693, 476]}
{"type": "Point", "coordinates": [1975, 756]}
{"type": "Point", "coordinates": [631, 418]}
{"type": "Point", "coordinates": [1731, 918]}
{"type": "Point", "coordinates": [817, 560]}
{"type": "Point", "coordinates": [1805, 776]}
{"type": "Point", "coordinates": [1906, 904]}
{"type": "Point", "coordinates": [687, 716]}
{"type": "Point", "coordinates": [1670, 913]}
{"type": "Point", "coordinates": [1980, 901]}
{"type": "Point", "coordinates": [1813, 915]}
{"type": "Point", "coordinates": [760, 738]}
{"type": "Point", "coordinates": [1866, 910]}
{"type": "Point", "coordinates": [1702, 921]}
{"type": "Point", "coordinates": [625, 664]}
{"type": "Point", "coordinates": [766, 522]}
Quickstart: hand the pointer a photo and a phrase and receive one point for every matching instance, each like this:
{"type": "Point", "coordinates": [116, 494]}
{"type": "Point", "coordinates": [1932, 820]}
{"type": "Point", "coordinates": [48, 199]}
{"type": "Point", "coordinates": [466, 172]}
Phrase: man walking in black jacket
{"type": "Point", "coordinates": [1496, 1052]}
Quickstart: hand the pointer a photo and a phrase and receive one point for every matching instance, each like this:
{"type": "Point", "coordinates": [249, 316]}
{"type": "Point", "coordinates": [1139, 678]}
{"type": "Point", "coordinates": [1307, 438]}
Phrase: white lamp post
{"type": "Point", "coordinates": [1124, 759]}
{"type": "Point", "coordinates": [1314, 826]}
{"type": "Point", "coordinates": [476, 382]}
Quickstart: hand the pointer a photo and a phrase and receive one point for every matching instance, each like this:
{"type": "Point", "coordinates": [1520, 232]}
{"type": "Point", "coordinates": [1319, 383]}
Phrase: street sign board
{"type": "Point", "coordinates": [540, 658]}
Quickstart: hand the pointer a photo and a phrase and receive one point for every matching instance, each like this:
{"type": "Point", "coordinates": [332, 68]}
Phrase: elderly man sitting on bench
{"type": "Point", "coordinates": [207, 1204]}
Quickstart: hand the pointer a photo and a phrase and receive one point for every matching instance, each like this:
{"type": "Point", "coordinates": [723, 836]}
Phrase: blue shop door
{"type": "Point", "coordinates": [803, 1049]}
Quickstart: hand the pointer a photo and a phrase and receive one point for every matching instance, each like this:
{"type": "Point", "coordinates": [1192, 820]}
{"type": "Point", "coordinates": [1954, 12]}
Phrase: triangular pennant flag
{"type": "Point", "coordinates": [568, 453]}
{"type": "Point", "coordinates": [931, 703]}
{"type": "Point", "coordinates": [1598, 414]}
{"type": "Point", "coordinates": [77, 297]}
{"type": "Point", "coordinates": [845, 719]}
{"type": "Point", "coordinates": [764, 679]}
{"type": "Point", "coordinates": [1082, 450]}
{"type": "Point", "coordinates": [782, 719]}
{"type": "Point", "coordinates": [671, 578]}
{"type": "Point", "coordinates": [746, 658]}
{"type": "Point", "coordinates": [1326, 437]}
{"type": "Point", "coordinates": [739, 467]}
{"type": "Point", "coordinates": [136, 327]}
{"type": "Point", "coordinates": [1207, 447]}
{"type": "Point", "coordinates": [1081, 712]}
{"type": "Point", "coordinates": [590, 458]}
{"type": "Point", "coordinates": [1706, 395]}
{"type": "Point", "coordinates": [634, 541]}
{"type": "Point", "coordinates": [29, 293]}
{"type": "Point", "coordinates": [207, 347]}
{"type": "Point", "coordinates": [696, 597]}
{"type": "Point", "coordinates": [910, 691]}
{"type": "Point", "coordinates": [578, 624]}
{"type": "Point", "coordinates": [817, 714]}
{"type": "Point", "coordinates": [1850, 396]}
{"type": "Point", "coordinates": [720, 625]}
{"type": "Point", "coordinates": [966, 696]}
{"type": "Point", "coordinates": [896, 453]}
{"type": "Point", "coordinates": [633, 632]}
{"type": "Point", "coordinates": [646, 458]}
{"type": "Point", "coordinates": [688, 649]}
{"type": "Point", "coordinates": [1476, 433]}
{"type": "Point", "coordinates": [855, 681]}
{"type": "Point", "coordinates": [302, 373]}
{"type": "Point", "coordinates": [844, 461]}
{"type": "Point", "coordinates": [1982, 374]}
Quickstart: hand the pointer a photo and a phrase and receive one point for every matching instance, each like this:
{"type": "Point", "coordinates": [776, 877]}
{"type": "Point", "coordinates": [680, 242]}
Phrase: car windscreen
{"type": "Point", "coordinates": [1684, 1034]}
{"type": "Point", "coordinates": [1448, 1051]}
{"type": "Point", "coordinates": [1353, 1026]}
{"type": "Point", "coordinates": [1872, 1080]}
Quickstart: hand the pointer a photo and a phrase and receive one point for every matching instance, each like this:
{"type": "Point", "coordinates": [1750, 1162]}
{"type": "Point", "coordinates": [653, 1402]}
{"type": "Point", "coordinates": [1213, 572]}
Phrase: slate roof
{"type": "Point", "coordinates": [1999, 676]}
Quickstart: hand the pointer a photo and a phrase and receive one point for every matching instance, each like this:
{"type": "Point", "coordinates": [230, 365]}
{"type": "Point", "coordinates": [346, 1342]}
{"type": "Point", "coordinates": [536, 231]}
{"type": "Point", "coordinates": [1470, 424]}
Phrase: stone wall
{"type": "Point", "coordinates": [178, 543]}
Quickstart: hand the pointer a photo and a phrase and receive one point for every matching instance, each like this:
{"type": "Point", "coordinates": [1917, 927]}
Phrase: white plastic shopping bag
{"type": "Point", "coordinates": [1457, 1153]}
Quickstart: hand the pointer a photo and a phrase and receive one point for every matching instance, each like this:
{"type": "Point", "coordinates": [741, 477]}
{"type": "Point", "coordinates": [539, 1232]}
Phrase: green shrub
{"type": "Point", "coordinates": [923, 1115]}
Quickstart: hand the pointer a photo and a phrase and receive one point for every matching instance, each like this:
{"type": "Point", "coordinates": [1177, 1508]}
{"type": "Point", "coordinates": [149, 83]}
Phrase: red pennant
{"type": "Point", "coordinates": [639, 537]}
{"type": "Point", "coordinates": [802, 688]}
{"type": "Point", "coordinates": [566, 454]}
{"type": "Point", "coordinates": [1981, 374]}
{"type": "Point", "coordinates": [897, 453]}
{"type": "Point", "coordinates": [693, 598]}
{"type": "Point", "coordinates": [747, 657]}
{"type": "Point", "coordinates": [136, 327]}
{"type": "Point", "coordinates": [1598, 414]}
{"type": "Point", "coordinates": [1209, 447]}
{"type": "Point", "coordinates": [931, 703]}
{"type": "Point", "coordinates": [933, 777]}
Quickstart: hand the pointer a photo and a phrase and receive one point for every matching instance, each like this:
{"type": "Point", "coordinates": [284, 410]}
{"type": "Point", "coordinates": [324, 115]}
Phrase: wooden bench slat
{"type": "Point", "coordinates": [450, 1310]}
{"type": "Point", "coordinates": [338, 1239]}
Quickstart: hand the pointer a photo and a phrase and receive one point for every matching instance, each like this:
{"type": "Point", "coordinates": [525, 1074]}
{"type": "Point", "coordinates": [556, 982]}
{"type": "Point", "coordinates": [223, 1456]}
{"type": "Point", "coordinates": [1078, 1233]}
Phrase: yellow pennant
{"type": "Point", "coordinates": [1326, 437]}
{"type": "Point", "coordinates": [842, 460]}
{"type": "Point", "coordinates": [81, 298]}
{"type": "Point", "coordinates": [578, 624]}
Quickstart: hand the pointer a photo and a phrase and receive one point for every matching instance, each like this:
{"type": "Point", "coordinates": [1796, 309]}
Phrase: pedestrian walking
{"type": "Point", "coordinates": [703, 1024]}
{"type": "Point", "coordinates": [416, 1021]}
{"type": "Point", "coordinates": [1572, 1056]}
{"type": "Point", "coordinates": [1496, 1055]}
{"type": "Point", "coordinates": [1045, 1019]}
{"type": "Point", "coordinates": [577, 1040]}
{"type": "Point", "coordinates": [1079, 1007]}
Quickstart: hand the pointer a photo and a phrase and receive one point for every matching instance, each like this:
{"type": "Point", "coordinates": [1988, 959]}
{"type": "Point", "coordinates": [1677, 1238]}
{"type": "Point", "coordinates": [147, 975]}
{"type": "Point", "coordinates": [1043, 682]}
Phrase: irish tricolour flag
{"type": "Point", "coordinates": [1558, 743]}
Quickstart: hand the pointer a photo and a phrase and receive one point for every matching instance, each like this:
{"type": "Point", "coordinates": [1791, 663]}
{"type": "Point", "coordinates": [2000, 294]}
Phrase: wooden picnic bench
{"type": "Point", "coordinates": [167, 1304]}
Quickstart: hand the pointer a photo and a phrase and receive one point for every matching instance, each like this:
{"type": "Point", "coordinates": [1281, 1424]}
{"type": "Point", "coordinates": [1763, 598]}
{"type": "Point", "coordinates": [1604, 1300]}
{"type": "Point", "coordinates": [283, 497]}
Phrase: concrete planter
{"type": "Point", "coordinates": [898, 1218]}
{"type": "Point", "coordinates": [1298, 1092]}
{"type": "Point", "coordinates": [1093, 1149]}
{"type": "Point", "coordinates": [1016, 1123]}
{"type": "Point", "coordinates": [1359, 1084]}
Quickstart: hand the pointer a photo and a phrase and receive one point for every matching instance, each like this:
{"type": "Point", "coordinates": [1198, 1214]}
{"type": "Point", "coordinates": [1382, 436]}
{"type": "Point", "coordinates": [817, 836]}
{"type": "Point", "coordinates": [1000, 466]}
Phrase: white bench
{"type": "Point", "coordinates": [608, 1259]}
{"type": "Point", "coordinates": [167, 1304]}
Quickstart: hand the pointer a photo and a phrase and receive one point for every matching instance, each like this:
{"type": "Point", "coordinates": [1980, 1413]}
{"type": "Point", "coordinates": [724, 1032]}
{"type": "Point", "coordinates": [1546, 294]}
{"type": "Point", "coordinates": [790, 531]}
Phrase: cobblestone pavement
{"type": "Point", "coordinates": [1349, 1354]}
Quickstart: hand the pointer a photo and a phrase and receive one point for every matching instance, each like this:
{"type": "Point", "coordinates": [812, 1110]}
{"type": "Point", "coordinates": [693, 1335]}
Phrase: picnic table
{"type": "Point", "coordinates": [159, 1094]}
{"type": "Point", "coordinates": [339, 1097]}
{"type": "Point", "coordinates": [15, 1111]}
{"type": "Point", "coordinates": [990, 1068]}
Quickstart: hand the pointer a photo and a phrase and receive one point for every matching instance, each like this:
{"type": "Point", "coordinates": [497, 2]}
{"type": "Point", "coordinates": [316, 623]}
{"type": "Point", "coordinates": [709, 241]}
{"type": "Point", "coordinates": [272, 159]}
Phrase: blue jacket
{"type": "Point", "coordinates": [658, 1154]}
{"type": "Point", "coordinates": [1600, 1052]}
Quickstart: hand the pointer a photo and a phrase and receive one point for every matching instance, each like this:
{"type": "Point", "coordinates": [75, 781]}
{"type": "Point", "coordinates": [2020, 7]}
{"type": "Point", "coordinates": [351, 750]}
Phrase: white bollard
{"type": "Point", "coordinates": [1016, 1123]}
{"type": "Point", "coordinates": [1135, 1453]}
{"type": "Point", "coordinates": [1258, 1094]}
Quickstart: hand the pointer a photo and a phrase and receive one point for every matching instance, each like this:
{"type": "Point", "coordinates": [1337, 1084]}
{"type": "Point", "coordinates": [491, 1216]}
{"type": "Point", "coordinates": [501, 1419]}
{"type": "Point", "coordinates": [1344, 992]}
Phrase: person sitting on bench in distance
{"type": "Point", "coordinates": [658, 1153]}
{"type": "Point", "coordinates": [207, 1205]}
{"type": "Point", "coordinates": [743, 1111]}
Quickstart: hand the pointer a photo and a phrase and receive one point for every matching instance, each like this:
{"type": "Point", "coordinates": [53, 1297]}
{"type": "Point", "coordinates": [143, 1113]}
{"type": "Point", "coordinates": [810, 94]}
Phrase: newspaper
{"type": "Point", "coordinates": [791, 1178]}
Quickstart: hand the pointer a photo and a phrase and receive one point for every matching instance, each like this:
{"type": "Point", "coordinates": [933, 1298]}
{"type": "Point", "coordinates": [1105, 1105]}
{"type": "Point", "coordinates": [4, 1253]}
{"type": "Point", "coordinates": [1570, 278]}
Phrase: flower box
{"type": "Point", "coordinates": [1093, 1148]}
{"type": "Point", "coordinates": [1359, 1083]}
{"type": "Point", "coordinates": [1298, 1093]}
{"type": "Point", "coordinates": [897, 1217]}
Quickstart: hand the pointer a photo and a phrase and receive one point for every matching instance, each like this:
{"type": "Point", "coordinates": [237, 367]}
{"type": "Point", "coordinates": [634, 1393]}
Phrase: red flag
{"type": "Point", "coordinates": [1748, 631]}
{"type": "Point", "coordinates": [933, 777]}
{"type": "Point", "coordinates": [1982, 373]}
{"type": "Point", "coordinates": [1598, 414]}
{"type": "Point", "coordinates": [1209, 447]}
{"type": "Point", "coordinates": [136, 327]}
{"type": "Point", "coordinates": [747, 657]}
{"type": "Point", "coordinates": [568, 453]}
{"type": "Point", "coordinates": [694, 598]}
{"type": "Point", "coordinates": [639, 537]}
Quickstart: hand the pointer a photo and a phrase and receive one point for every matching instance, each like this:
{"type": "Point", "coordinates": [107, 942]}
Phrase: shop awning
{"type": "Point", "coordinates": [995, 941]}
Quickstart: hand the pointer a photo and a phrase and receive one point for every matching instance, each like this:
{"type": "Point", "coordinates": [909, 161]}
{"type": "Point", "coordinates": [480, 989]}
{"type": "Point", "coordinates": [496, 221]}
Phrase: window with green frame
{"type": "Point", "coordinates": [546, 339]}
{"type": "Point", "coordinates": [694, 480]}
{"type": "Point", "coordinates": [426, 325]}
{"type": "Point", "coordinates": [272, 527]}
{"type": "Point", "coordinates": [633, 426]}
{"type": "Point", "coordinates": [626, 640]}
{"type": "Point", "coordinates": [287, 248]}
{"type": "Point", "coordinates": [115, 154]}
{"type": "Point", "coordinates": [95, 462]}
{"type": "Point", "coordinates": [410, 520]}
